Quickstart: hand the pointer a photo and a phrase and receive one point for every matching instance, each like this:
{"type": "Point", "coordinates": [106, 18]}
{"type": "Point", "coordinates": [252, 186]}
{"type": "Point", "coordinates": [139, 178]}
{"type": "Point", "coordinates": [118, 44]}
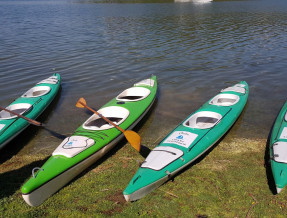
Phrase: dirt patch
{"type": "Point", "coordinates": [117, 197]}
{"type": "Point", "coordinates": [119, 202]}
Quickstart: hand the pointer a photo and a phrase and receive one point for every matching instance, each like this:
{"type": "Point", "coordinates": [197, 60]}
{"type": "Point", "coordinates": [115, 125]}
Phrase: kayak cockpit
{"type": "Point", "coordinates": [203, 120]}
{"type": "Point", "coordinates": [37, 91]}
{"type": "Point", "coordinates": [133, 94]}
{"type": "Point", "coordinates": [224, 100]}
{"type": "Point", "coordinates": [160, 157]}
{"type": "Point", "coordinates": [19, 108]}
{"type": "Point", "coordinates": [113, 113]}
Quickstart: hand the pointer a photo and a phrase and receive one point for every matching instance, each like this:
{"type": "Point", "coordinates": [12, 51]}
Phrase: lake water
{"type": "Point", "coordinates": [102, 47]}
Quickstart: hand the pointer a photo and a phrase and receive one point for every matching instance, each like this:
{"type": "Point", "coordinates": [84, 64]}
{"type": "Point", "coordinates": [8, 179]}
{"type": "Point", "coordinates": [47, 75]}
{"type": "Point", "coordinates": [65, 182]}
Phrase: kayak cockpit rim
{"type": "Point", "coordinates": [203, 120]}
{"type": "Point", "coordinates": [37, 91]}
{"type": "Point", "coordinates": [19, 108]}
{"type": "Point", "coordinates": [225, 100]}
{"type": "Point", "coordinates": [115, 114]}
{"type": "Point", "coordinates": [133, 94]}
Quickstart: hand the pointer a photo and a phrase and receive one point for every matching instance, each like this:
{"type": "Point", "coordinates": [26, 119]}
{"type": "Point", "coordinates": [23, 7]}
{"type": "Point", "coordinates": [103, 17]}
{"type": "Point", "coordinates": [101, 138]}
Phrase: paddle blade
{"type": "Point", "coordinates": [81, 103]}
{"type": "Point", "coordinates": [134, 139]}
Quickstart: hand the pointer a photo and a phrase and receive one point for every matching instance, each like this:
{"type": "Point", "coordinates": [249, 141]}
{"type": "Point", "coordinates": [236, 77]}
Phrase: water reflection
{"type": "Point", "coordinates": [195, 1]}
{"type": "Point", "coordinates": [101, 49]}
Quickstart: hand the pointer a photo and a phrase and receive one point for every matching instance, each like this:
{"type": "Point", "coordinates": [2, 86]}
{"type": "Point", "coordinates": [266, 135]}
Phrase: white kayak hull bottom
{"type": "Point", "coordinates": [278, 190]}
{"type": "Point", "coordinates": [39, 195]}
{"type": "Point", "coordinates": [145, 190]}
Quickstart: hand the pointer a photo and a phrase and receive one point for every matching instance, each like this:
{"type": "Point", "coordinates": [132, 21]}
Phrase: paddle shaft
{"type": "Point", "coordinates": [25, 118]}
{"type": "Point", "coordinates": [100, 115]}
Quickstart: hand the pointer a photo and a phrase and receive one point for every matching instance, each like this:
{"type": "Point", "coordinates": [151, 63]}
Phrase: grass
{"type": "Point", "coordinates": [232, 180]}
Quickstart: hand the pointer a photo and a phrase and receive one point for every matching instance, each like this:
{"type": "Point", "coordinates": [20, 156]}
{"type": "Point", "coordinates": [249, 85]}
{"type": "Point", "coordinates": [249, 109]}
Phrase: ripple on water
{"type": "Point", "coordinates": [101, 49]}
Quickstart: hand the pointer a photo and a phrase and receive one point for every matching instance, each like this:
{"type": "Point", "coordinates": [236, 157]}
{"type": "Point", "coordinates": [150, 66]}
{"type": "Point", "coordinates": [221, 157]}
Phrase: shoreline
{"type": "Point", "coordinates": [234, 170]}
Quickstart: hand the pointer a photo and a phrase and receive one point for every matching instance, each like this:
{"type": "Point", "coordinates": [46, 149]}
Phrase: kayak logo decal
{"type": "Point", "coordinates": [75, 142]}
{"type": "Point", "coordinates": [181, 138]}
{"type": "Point", "coordinates": [70, 144]}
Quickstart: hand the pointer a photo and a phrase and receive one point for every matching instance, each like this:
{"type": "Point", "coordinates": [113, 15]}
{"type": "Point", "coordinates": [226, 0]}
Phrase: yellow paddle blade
{"type": "Point", "coordinates": [81, 103]}
{"type": "Point", "coordinates": [134, 139]}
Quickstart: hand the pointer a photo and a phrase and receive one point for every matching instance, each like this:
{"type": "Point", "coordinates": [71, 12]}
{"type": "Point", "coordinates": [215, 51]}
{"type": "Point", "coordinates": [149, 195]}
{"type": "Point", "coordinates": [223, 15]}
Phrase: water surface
{"type": "Point", "coordinates": [102, 47]}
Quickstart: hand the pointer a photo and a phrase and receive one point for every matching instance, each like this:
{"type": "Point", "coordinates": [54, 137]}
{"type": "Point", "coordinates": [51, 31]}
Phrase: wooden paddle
{"type": "Point", "coordinates": [34, 122]}
{"type": "Point", "coordinates": [133, 138]}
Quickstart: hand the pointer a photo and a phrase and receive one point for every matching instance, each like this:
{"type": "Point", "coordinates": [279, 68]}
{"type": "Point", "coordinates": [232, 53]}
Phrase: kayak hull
{"type": "Point", "coordinates": [12, 126]}
{"type": "Point", "coordinates": [149, 188]}
{"type": "Point", "coordinates": [188, 141]}
{"type": "Point", "coordinates": [278, 149]}
{"type": "Point", "coordinates": [36, 191]}
{"type": "Point", "coordinates": [38, 196]}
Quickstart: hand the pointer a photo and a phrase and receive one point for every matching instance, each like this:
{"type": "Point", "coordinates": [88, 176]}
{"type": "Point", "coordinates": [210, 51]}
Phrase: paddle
{"type": "Point", "coordinates": [133, 138]}
{"type": "Point", "coordinates": [34, 122]}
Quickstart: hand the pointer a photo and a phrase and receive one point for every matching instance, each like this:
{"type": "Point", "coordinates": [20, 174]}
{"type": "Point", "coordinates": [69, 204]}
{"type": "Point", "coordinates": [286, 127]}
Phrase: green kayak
{"type": "Point", "coordinates": [188, 141]}
{"type": "Point", "coordinates": [91, 141]}
{"type": "Point", "coordinates": [278, 149]}
{"type": "Point", "coordinates": [31, 104]}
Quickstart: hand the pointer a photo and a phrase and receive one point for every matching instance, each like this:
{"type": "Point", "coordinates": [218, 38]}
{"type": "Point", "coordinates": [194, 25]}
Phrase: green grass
{"type": "Point", "coordinates": [230, 181]}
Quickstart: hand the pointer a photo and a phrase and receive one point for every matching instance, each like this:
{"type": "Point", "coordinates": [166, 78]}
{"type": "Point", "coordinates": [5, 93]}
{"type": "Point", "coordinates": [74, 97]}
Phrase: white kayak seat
{"type": "Point", "coordinates": [50, 80]}
{"type": "Point", "coordinates": [145, 82]}
{"type": "Point", "coordinates": [116, 114]}
{"type": "Point", "coordinates": [236, 88]}
{"type": "Point", "coordinates": [280, 152]}
{"type": "Point", "coordinates": [19, 108]}
{"type": "Point", "coordinates": [133, 94]}
{"type": "Point", "coordinates": [224, 100]}
{"type": "Point", "coordinates": [160, 157]}
{"type": "Point", "coordinates": [203, 120]}
{"type": "Point", "coordinates": [37, 91]}
{"type": "Point", "coordinates": [71, 146]}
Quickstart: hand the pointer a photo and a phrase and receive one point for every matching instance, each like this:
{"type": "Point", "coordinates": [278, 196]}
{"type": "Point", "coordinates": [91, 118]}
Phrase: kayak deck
{"type": "Point", "coordinates": [278, 149]}
{"type": "Point", "coordinates": [189, 140]}
{"type": "Point", "coordinates": [31, 104]}
{"type": "Point", "coordinates": [90, 141]}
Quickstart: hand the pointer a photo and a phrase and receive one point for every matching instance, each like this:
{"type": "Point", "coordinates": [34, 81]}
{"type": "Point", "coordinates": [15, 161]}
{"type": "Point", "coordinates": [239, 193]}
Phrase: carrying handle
{"type": "Point", "coordinates": [36, 168]}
